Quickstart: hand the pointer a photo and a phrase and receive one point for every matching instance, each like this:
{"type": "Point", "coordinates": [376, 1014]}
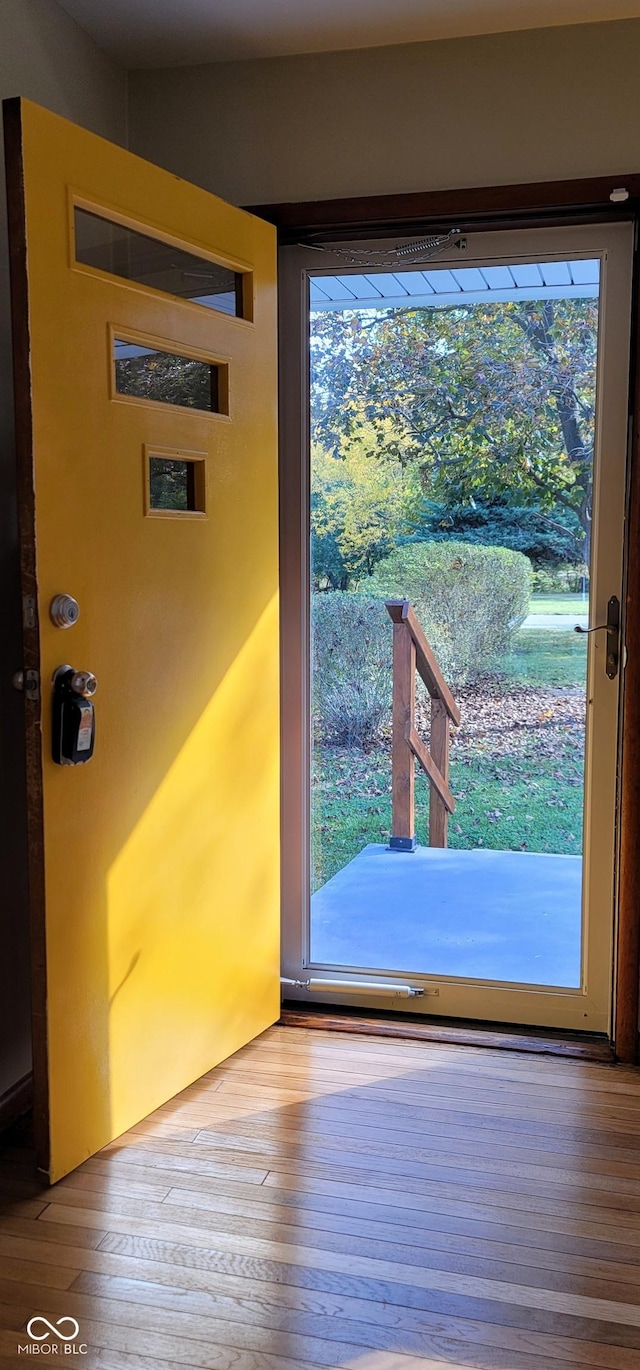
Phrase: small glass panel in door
{"type": "Point", "coordinates": [134, 255]}
{"type": "Point", "coordinates": [156, 374]}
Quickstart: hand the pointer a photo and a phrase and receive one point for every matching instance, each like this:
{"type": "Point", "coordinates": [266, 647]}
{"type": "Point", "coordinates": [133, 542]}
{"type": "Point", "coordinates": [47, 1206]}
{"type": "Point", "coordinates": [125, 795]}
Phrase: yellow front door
{"type": "Point", "coordinates": [144, 343]}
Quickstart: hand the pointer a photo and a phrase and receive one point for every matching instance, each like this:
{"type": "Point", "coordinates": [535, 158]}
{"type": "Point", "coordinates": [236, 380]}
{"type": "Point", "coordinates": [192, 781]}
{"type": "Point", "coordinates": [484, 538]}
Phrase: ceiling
{"type": "Point", "coordinates": [165, 33]}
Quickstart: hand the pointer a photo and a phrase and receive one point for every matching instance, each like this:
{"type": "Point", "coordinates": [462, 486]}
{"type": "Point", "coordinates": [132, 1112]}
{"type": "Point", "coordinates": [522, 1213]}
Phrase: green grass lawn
{"type": "Point", "coordinates": [510, 803]}
{"type": "Point", "coordinates": [546, 658]}
{"type": "Point", "coordinates": [527, 800]}
{"type": "Point", "coordinates": [559, 604]}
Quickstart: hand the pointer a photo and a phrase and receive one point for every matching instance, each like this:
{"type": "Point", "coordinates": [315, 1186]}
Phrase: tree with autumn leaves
{"type": "Point", "coordinates": [446, 409]}
{"type": "Point", "coordinates": [363, 502]}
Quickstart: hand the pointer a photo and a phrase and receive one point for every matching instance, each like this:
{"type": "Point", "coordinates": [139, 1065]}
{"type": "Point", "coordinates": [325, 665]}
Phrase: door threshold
{"type": "Point", "coordinates": [536, 1041]}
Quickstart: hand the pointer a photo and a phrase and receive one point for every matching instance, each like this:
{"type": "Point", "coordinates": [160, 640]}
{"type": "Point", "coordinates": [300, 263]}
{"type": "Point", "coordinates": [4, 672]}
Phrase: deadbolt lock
{"type": "Point", "coordinates": [64, 611]}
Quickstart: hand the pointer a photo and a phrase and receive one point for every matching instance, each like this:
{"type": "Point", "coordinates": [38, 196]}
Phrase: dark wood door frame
{"type": "Point", "coordinates": [545, 204]}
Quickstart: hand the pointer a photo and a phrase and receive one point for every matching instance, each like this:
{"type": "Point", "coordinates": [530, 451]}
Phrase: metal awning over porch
{"type": "Point", "coordinates": [439, 286]}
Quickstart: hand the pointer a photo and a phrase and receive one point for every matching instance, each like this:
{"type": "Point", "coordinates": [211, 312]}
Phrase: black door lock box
{"type": "Point", "coordinates": [74, 723]}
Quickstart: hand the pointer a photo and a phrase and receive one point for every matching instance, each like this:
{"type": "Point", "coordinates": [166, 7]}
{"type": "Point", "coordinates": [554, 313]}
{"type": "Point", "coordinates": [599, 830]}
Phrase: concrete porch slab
{"type": "Point", "coordinates": [487, 915]}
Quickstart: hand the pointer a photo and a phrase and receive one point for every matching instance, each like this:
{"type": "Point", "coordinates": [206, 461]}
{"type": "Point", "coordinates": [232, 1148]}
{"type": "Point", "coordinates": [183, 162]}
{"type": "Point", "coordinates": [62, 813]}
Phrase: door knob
{"type": "Point", "coordinates": [83, 683]}
{"type": "Point", "coordinates": [28, 682]}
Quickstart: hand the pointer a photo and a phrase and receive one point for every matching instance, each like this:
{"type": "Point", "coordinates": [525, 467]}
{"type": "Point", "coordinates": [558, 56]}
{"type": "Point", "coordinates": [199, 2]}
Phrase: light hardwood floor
{"type": "Point", "coordinates": [361, 1202]}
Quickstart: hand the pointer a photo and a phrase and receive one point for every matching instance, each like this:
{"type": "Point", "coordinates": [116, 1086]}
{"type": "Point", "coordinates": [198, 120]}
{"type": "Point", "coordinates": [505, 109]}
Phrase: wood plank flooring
{"type": "Point", "coordinates": [346, 1201]}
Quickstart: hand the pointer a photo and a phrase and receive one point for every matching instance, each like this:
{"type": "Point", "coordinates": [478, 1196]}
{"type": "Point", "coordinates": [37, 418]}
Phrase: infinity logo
{"type": "Point", "coordinates": [54, 1328]}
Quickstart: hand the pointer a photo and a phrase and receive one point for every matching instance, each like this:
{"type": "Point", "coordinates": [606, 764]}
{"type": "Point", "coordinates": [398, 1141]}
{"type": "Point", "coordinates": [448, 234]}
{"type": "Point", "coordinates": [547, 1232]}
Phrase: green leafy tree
{"type": "Point", "coordinates": [483, 401]}
{"type": "Point", "coordinates": [172, 379]}
{"type": "Point", "coordinates": [501, 523]}
{"type": "Point", "coordinates": [362, 501]}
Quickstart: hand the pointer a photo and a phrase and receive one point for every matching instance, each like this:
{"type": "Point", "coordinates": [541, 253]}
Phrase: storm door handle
{"type": "Point", "coordinates": [612, 629]}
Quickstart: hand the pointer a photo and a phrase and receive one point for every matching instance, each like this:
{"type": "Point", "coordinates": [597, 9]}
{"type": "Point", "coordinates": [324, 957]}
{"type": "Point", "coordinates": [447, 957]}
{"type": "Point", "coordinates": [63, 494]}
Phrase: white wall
{"type": "Point", "coordinates": [45, 56]}
{"type": "Point", "coordinates": [540, 105]}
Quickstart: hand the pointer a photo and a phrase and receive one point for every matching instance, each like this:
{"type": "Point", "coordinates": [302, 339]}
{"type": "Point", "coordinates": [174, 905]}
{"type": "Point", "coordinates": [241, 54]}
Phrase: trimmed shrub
{"type": "Point", "coordinates": [562, 579]}
{"type": "Point", "coordinates": [470, 600]}
{"type": "Point", "coordinates": [351, 637]}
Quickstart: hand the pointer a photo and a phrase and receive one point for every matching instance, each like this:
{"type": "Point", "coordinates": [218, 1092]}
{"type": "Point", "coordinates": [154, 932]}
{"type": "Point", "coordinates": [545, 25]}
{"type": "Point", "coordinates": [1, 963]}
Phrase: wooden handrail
{"type": "Point", "coordinates": [412, 652]}
{"type": "Point", "coordinates": [426, 663]}
{"type": "Point", "coordinates": [423, 755]}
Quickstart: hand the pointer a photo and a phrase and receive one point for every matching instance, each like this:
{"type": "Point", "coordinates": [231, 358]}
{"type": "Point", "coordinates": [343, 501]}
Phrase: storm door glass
{"type": "Point", "coordinates": [453, 419]}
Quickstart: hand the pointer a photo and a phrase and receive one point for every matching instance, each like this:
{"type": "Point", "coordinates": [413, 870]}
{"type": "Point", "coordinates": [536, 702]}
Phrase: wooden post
{"type": "Point", "coordinates": [412, 652]}
{"type": "Point", "coordinates": [403, 836]}
{"type": "Point", "coordinates": [439, 748]}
